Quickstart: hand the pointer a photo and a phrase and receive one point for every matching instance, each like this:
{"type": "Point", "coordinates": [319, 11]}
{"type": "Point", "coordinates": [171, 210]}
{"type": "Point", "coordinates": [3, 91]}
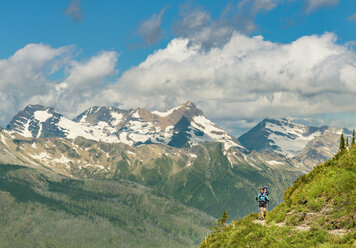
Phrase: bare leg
{"type": "Point", "coordinates": [261, 211]}
{"type": "Point", "coordinates": [265, 212]}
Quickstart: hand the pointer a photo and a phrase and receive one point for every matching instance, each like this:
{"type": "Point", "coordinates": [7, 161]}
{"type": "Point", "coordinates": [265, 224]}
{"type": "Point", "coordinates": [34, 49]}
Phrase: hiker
{"type": "Point", "coordinates": [265, 188]}
{"type": "Point", "coordinates": [262, 199]}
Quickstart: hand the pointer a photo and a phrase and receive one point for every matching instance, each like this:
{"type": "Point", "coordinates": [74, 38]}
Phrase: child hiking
{"type": "Point", "coordinates": [262, 199]}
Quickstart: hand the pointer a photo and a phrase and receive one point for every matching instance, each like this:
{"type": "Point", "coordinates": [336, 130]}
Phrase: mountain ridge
{"type": "Point", "coordinates": [305, 145]}
{"type": "Point", "coordinates": [182, 126]}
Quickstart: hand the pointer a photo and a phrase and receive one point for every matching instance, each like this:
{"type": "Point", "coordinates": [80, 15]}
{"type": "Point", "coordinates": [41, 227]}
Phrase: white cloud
{"type": "Point", "coordinates": [84, 80]}
{"type": "Point", "coordinates": [247, 78]}
{"type": "Point", "coordinates": [150, 30]}
{"type": "Point", "coordinates": [24, 74]}
{"type": "Point", "coordinates": [24, 79]}
{"type": "Point", "coordinates": [197, 25]}
{"type": "Point", "coordinates": [236, 84]}
{"type": "Point", "coordinates": [74, 11]}
{"type": "Point", "coordinates": [313, 5]}
{"type": "Point", "coordinates": [264, 5]}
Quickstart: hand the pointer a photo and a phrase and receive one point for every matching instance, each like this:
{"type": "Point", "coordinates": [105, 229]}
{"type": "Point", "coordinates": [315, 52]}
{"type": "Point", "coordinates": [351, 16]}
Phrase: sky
{"type": "Point", "coordinates": [238, 61]}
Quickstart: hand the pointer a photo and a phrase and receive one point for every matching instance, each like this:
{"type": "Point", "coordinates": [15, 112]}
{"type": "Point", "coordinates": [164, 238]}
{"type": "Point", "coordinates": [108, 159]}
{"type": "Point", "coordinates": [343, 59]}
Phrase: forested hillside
{"type": "Point", "coordinates": [49, 210]}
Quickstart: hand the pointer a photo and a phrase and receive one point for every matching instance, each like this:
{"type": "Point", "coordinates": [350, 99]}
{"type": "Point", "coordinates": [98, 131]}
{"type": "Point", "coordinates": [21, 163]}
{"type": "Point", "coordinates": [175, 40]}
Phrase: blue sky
{"type": "Point", "coordinates": [112, 25]}
{"type": "Point", "coordinates": [118, 36]}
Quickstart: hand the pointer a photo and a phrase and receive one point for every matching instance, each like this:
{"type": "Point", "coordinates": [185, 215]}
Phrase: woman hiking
{"type": "Point", "coordinates": [262, 199]}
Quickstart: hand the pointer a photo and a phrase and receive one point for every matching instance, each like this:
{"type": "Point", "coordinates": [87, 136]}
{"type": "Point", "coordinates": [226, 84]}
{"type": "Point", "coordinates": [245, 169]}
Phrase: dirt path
{"type": "Point", "coordinates": [260, 222]}
{"type": "Point", "coordinates": [303, 228]}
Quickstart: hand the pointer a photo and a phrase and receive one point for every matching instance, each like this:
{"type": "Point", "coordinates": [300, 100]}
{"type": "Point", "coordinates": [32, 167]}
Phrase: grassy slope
{"type": "Point", "coordinates": [322, 200]}
{"type": "Point", "coordinates": [39, 211]}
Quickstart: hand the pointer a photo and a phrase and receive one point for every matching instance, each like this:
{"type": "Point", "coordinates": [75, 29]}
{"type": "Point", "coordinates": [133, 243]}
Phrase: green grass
{"type": "Point", "coordinates": [327, 194]}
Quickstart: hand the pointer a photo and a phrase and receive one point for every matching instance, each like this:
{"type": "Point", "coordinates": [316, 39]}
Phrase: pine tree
{"type": "Point", "coordinates": [223, 219]}
{"type": "Point", "coordinates": [220, 224]}
{"type": "Point", "coordinates": [353, 138]}
{"type": "Point", "coordinates": [347, 142]}
{"type": "Point", "coordinates": [342, 143]}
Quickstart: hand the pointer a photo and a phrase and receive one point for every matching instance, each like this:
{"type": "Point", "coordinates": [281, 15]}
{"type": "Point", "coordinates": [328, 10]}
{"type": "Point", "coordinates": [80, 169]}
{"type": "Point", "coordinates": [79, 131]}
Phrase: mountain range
{"type": "Point", "coordinates": [179, 153]}
{"type": "Point", "coordinates": [181, 127]}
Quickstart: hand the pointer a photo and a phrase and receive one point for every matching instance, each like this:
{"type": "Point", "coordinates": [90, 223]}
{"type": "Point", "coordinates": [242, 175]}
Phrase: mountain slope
{"type": "Point", "coordinates": [49, 210]}
{"type": "Point", "coordinates": [204, 176]}
{"type": "Point", "coordinates": [318, 211]}
{"type": "Point", "coordinates": [182, 126]}
{"type": "Point", "coordinates": [305, 145]}
{"type": "Point", "coordinates": [280, 135]}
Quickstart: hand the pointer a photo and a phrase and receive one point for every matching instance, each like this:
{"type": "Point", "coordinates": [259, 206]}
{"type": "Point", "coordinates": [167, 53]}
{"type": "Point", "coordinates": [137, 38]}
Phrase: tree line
{"type": "Point", "coordinates": [344, 143]}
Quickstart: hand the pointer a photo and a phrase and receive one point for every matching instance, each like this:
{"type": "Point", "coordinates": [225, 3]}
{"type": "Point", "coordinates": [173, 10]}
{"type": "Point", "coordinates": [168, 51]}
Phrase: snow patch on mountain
{"type": "Point", "coordinates": [94, 132]}
{"type": "Point", "coordinates": [274, 162]}
{"type": "Point", "coordinates": [166, 113]}
{"type": "Point", "coordinates": [42, 116]}
{"type": "Point", "coordinates": [25, 131]}
{"type": "Point", "coordinates": [289, 139]}
{"type": "Point", "coordinates": [116, 118]}
{"type": "Point", "coordinates": [3, 140]}
{"type": "Point", "coordinates": [43, 156]}
{"type": "Point", "coordinates": [213, 132]}
{"type": "Point", "coordinates": [62, 160]}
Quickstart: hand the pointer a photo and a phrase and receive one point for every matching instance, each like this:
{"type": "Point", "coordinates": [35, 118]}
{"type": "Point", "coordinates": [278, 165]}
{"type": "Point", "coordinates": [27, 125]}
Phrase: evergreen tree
{"type": "Point", "coordinates": [220, 224]}
{"type": "Point", "coordinates": [223, 219]}
{"type": "Point", "coordinates": [342, 143]}
{"type": "Point", "coordinates": [353, 138]}
{"type": "Point", "coordinates": [347, 142]}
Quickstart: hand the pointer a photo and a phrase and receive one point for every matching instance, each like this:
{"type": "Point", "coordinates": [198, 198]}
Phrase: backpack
{"type": "Point", "coordinates": [267, 191]}
{"type": "Point", "coordinates": [261, 197]}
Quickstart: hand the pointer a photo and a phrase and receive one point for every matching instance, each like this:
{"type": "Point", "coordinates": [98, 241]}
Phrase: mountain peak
{"type": "Point", "coordinates": [35, 107]}
{"type": "Point", "coordinates": [96, 114]}
{"type": "Point", "coordinates": [30, 121]}
{"type": "Point", "coordinates": [187, 109]}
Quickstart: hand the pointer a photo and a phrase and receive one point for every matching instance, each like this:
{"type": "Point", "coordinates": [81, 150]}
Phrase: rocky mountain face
{"type": "Point", "coordinates": [305, 145]}
{"type": "Point", "coordinates": [37, 121]}
{"type": "Point", "coordinates": [182, 126]}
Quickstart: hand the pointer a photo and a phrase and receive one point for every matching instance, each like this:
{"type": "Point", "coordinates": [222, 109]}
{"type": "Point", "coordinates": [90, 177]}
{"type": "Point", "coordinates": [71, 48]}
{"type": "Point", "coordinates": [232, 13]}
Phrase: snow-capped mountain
{"type": "Point", "coordinates": [280, 135]}
{"type": "Point", "coordinates": [37, 121]}
{"type": "Point", "coordinates": [182, 126]}
{"type": "Point", "coordinates": [306, 145]}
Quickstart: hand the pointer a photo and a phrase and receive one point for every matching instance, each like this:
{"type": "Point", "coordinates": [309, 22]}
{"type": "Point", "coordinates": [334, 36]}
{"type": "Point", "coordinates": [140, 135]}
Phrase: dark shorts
{"type": "Point", "coordinates": [262, 204]}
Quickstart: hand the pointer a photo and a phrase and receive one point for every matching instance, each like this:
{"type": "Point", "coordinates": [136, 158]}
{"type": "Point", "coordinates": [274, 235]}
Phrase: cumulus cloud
{"type": "Point", "coordinates": [150, 30]}
{"type": "Point", "coordinates": [84, 80]}
{"type": "Point", "coordinates": [236, 84]}
{"type": "Point", "coordinates": [74, 11]}
{"type": "Point", "coordinates": [197, 25]}
{"type": "Point", "coordinates": [24, 79]}
{"type": "Point", "coordinates": [313, 5]}
{"type": "Point", "coordinates": [24, 74]}
{"type": "Point", "coordinates": [248, 78]}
